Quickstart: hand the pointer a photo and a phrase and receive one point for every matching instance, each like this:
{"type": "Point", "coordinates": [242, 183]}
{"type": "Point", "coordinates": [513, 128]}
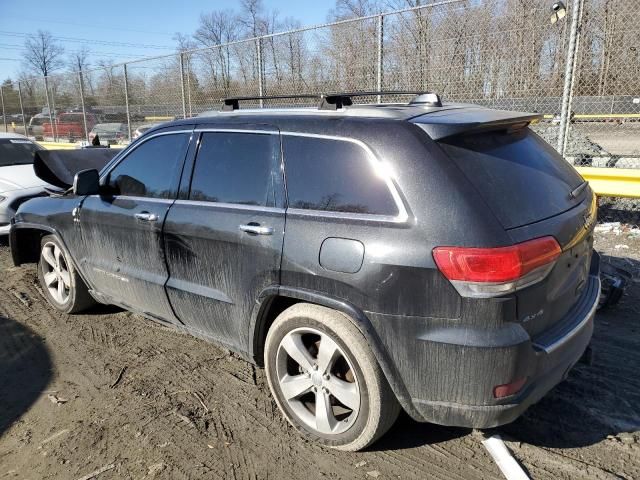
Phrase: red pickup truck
{"type": "Point", "coordinates": [69, 126]}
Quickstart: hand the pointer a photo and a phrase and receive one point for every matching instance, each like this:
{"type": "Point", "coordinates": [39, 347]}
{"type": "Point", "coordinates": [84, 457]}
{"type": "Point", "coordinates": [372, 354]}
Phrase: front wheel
{"type": "Point", "coordinates": [61, 283]}
{"type": "Point", "coordinates": [326, 380]}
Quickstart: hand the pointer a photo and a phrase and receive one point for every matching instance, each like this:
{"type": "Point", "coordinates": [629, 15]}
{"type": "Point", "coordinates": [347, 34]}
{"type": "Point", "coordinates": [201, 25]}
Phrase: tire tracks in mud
{"type": "Point", "coordinates": [154, 419]}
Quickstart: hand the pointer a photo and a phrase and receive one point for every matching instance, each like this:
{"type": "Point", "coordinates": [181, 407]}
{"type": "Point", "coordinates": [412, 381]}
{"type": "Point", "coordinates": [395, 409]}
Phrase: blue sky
{"type": "Point", "coordinates": [139, 22]}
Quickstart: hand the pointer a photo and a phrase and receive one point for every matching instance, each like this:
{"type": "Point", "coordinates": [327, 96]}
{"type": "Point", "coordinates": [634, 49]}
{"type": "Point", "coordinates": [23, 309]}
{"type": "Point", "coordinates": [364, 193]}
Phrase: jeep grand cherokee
{"type": "Point", "coordinates": [426, 256]}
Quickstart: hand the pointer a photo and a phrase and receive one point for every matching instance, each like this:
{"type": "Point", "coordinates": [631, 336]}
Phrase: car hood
{"type": "Point", "coordinates": [58, 167]}
{"type": "Point", "coordinates": [18, 177]}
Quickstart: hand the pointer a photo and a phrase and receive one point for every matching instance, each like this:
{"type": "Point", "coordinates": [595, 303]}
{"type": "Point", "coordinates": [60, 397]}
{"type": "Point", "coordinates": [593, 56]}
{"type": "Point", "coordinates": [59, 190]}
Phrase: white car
{"type": "Point", "coordinates": [18, 182]}
{"type": "Point", "coordinates": [142, 129]}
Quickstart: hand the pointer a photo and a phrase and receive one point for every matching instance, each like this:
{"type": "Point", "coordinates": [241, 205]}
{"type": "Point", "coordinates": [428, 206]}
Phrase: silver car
{"type": "Point", "coordinates": [142, 129]}
{"type": "Point", "coordinates": [18, 182]}
{"type": "Point", "coordinates": [36, 125]}
{"type": "Point", "coordinates": [109, 133]}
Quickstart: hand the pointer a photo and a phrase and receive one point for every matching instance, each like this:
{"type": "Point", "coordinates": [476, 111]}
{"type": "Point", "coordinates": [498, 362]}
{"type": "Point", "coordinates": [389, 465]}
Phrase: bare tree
{"type": "Point", "coordinates": [43, 54]}
{"type": "Point", "coordinates": [79, 60]}
{"type": "Point", "coordinates": [252, 17]}
{"type": "Point", "coordinates": [354, 8]}
{"type": "Point", "coordinates": [184, 43]}
{"type": "Point", "coordinates": [217, 28]}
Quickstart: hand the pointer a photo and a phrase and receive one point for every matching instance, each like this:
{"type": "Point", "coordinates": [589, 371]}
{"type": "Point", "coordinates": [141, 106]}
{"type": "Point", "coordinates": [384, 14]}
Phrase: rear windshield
{"type": "Point", "coordinates": [16, 151]}
{"type": "Point", "coordinates": [520, 176]}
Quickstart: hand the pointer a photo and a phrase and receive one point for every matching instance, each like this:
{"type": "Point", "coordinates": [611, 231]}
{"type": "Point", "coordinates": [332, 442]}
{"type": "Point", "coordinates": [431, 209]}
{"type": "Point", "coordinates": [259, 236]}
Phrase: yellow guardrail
{"type": "Point", "coordinates": [597, 116]}
{"type": "Point", "coordinates": [159, 118]}
{"type": "Point", "coordinates": [612, 182]}
{"type": "Point", "coordinates": [58, 146]}
{"type": "Point", "coordinates": [67, 146]}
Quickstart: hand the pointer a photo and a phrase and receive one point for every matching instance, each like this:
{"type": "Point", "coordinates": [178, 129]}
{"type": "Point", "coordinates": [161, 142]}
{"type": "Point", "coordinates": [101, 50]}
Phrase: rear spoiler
{"type": "Point", "coordinates": [59, 167]}
{"type": "Point", "coordinates": [452, 122]}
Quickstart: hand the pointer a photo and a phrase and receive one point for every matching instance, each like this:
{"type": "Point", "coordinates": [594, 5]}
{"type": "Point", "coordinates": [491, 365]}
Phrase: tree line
{"type": "Point", "coordinates": [473, 50]}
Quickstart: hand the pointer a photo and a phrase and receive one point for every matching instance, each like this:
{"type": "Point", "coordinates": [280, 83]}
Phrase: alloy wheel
{"type": "Point", "coordinates": [317, 381]}
{"type": "Point", "coordinates": [55, 270]}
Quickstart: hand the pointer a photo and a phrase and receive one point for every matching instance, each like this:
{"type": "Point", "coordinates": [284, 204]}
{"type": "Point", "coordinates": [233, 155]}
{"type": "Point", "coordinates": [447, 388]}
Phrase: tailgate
{"type": "Point", "coordinates": [546, 304]}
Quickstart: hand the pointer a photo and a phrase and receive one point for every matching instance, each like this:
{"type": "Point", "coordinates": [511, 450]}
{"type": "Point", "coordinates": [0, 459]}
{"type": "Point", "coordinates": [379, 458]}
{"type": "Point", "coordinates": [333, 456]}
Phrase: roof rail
{"type": "Point", "coordinates": [334, 101]}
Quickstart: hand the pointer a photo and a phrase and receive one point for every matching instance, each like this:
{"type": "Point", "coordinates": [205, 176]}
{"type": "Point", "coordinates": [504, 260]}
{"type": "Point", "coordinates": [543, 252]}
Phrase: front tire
{"type": "Point", "coordinates": [326, 380]}
{"type": "Point", "coordinates": [62, 286]}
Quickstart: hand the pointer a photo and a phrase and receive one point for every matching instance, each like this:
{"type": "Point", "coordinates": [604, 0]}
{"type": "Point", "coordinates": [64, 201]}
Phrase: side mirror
{"type": "Point", "coordinates": [86, 182]}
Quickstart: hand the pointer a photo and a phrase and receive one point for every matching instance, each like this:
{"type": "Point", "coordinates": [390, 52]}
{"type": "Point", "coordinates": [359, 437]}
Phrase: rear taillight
{"type": "Point", "coordinates": [488, 272]}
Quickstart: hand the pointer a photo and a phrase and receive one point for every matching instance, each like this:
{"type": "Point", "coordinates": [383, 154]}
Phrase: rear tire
{"type": "Point", "coordinates": [333, 392]}
{"type": "Point", "coordinates": [63, 287]}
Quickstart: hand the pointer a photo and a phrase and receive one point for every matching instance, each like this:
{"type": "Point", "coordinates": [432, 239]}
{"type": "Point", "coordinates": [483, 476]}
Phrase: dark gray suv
{"type": "Point", "coordinates": [435, 258]}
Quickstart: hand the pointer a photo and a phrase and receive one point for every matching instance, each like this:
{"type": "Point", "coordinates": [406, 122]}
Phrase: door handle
{"type": "Point", "coordinates": [146, 217]}
{"type": "Point", "coordinates": [256, 229]}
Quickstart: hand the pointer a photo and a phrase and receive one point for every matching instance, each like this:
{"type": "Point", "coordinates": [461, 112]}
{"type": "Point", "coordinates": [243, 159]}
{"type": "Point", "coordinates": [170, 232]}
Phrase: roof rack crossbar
{"type": "Point", "coordinates": [335, 101]}
{"type": "Point", "coordinates": [233, 103]}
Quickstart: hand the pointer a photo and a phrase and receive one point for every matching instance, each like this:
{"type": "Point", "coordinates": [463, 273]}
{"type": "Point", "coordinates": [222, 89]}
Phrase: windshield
{"type": "Point", "coordinates": [16, 151]}
{"type": "Point", "coordinates": [39, 121]}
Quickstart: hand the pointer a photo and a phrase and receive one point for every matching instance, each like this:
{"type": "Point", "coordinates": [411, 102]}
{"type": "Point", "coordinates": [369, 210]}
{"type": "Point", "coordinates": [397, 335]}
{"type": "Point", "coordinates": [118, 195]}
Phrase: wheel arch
{"type": "Point", "coordinates": [24, 240]}
{"type": "Point", "coordinates": [274, 300]}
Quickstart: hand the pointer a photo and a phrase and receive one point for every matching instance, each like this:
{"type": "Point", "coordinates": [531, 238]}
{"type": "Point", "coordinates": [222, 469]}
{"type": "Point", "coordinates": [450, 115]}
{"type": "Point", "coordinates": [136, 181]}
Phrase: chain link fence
{"type": "Point", "coordinates": [582, 73]}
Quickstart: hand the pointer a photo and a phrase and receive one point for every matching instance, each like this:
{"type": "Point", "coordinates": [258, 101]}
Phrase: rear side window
{"type": "Point", "coordinates": [151, 170]}
{"type": "Point", "coordinates": [236, 168]}
{"type": "Point", "coordinates": [334, 176]}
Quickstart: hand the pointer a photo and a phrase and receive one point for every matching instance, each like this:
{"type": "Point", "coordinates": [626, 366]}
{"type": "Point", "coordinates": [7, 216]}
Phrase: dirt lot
{"type": "Point", "coordinates": [111, 391]}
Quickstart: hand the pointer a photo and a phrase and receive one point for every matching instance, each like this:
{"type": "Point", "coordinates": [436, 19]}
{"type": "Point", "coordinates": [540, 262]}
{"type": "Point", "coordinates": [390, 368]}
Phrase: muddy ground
{"type": "Point", "coordinates": [109, 391]}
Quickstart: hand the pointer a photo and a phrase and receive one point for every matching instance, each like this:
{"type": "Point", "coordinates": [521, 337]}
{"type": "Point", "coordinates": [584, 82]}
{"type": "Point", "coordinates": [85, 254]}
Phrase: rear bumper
{"type": "Point", "coordinates": [450, 377]}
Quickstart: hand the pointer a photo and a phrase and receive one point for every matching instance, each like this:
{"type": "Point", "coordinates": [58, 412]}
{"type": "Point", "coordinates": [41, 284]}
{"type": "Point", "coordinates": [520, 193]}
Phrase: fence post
{"type": "Point", "coordinates": [573, 82]}
{"type": "Point", "coordinates": [189, 87]}
{"type": "Point", "coordinates": [4, 114]}
{"type": "Point", "coordinates": [184, 99]}
{"type": "Point", "coordinates": [24, 123]}
{"type": "Point", "coordinates": [380, 54]}
{"type": "Point", "coordinates": [613, 98]}
{"type": "Point", "coordinates": [568, 73]}
{"type": "Point", "coordinates": [260, 85]}
{"type": "Point", "coordinates": [126, 100]}
{"type": "Point", "coordinates": [54, 130]}
{"type": "Point", "coordinates": [84, 111]}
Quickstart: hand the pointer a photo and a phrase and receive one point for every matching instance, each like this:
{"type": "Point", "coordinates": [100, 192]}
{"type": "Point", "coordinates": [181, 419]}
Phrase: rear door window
{"type": "Point", "coordinates": [520, 176]}
{"type": "Point", "coordinates": [334, 176]}
{"type": "Point", "coordinates": [237, 168]}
